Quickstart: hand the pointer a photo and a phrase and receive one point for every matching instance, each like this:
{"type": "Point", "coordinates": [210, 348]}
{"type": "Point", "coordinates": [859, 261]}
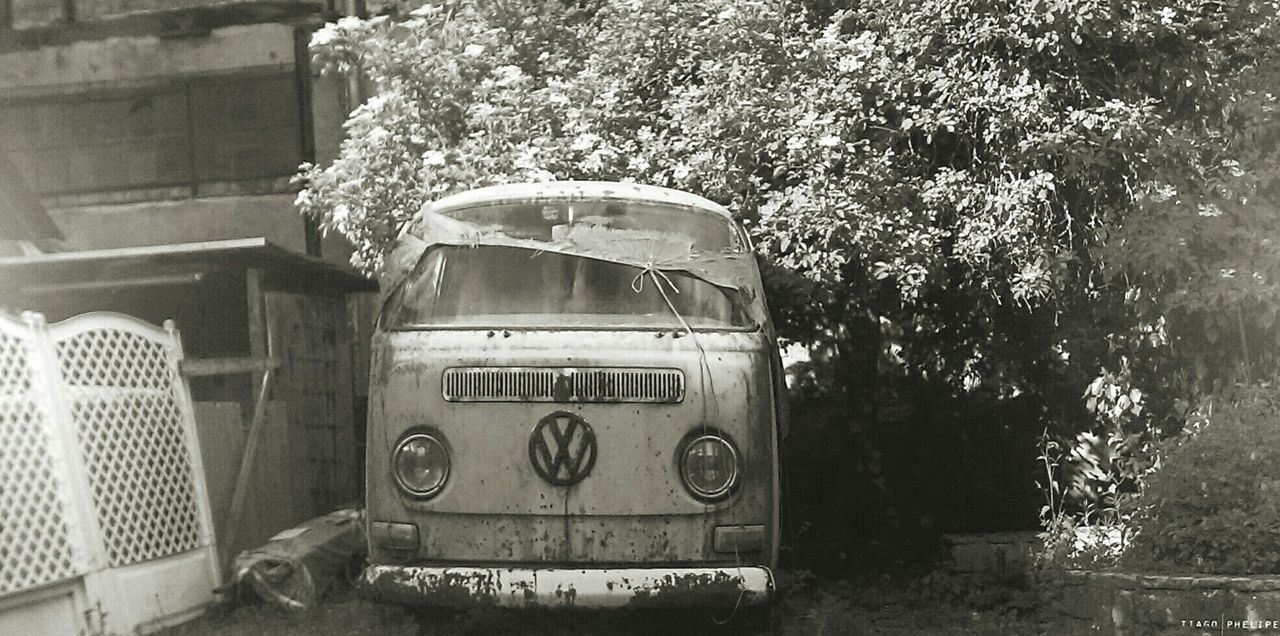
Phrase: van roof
{"type": "Point", "coordinates": [568, 190]}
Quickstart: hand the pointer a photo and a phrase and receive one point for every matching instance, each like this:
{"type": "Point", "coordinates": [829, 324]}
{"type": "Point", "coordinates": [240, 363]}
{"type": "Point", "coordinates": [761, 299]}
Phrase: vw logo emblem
{"type": "Point", "coordinates": [562, 448]}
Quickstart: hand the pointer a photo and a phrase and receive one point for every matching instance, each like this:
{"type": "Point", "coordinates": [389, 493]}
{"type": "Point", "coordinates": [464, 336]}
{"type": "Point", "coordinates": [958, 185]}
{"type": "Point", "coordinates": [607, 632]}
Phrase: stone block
{"type": "Point", "coordinates": [1168, 608]}
{"type": "Point", "coordinates": [971, 557]}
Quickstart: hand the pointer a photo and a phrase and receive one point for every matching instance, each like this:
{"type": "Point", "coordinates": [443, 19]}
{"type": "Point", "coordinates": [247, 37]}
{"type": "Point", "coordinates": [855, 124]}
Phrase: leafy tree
{"type": "Point", "coordinates": [1041, 198]}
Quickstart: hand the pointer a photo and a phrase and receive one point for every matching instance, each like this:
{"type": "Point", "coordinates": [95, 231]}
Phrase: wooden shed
{"type": "Point", "coordinates": [246, 309]}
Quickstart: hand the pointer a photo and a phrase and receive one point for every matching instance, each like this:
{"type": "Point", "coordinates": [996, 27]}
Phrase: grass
{"type": "Point", "coordinates": [911, 603]}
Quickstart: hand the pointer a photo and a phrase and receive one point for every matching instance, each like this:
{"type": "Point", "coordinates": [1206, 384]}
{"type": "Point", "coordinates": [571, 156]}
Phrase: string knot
{"type": "Point", "coordinates": [658, 276]}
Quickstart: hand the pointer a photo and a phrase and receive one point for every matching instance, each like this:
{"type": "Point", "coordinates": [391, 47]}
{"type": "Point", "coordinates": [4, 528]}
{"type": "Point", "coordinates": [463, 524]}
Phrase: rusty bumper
{"type": "Point", "coordinates": [565, 588]}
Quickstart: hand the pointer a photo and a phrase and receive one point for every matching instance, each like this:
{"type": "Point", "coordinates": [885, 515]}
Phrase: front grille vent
{"type": "Point", "coordinates": [540, 384]}
{"type": "Point", "coordinates": [489, 384]}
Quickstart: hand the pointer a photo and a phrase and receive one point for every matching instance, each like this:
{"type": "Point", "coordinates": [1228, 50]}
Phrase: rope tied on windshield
{"type": "Point", "coordinates": [710, 405]}
{"type": "Point", "coordinates": [658, 276]}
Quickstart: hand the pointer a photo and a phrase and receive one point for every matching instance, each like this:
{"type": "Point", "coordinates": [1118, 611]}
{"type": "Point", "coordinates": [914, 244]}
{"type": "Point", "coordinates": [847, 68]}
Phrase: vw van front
{"type": "Point", "coordinates": [573, 402]}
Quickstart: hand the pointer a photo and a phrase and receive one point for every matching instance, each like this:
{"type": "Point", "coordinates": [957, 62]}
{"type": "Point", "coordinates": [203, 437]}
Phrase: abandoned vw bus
{"type": "Point", "coordinates": [574, 401]}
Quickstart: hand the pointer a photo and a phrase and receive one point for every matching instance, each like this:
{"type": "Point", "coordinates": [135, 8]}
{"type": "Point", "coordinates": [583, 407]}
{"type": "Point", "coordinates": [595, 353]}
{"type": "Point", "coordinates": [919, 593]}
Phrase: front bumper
{"type": "Point", "coordinates": [673, 587]}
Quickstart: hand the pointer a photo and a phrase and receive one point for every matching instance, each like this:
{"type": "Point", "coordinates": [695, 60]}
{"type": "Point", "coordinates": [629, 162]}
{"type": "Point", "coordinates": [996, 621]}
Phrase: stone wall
{"type": "Point", "coordinates": [1139, 604]}
{"type": "Point", "coordinates": [996, 555]}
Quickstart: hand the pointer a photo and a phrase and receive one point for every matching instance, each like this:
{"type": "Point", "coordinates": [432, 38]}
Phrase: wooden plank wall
{"type": "Point", "coordinates": [313, 340]}
{"type": "Point", "coordinates": [222, 438]}
{"type": "Point", "coordinates": [361, 314]}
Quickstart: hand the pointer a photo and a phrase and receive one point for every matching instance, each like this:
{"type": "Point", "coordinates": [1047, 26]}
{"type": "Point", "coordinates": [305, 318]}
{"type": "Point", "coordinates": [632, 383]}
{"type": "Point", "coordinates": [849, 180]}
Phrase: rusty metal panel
{"type": "Point", "coordinates": [552, 538]}
{"type": "Point", "coordinates": [631, 508]}
{"type": "Point", "coordinates": [637, 443]}
{"type": "Point", "coordinates": [567, 588]}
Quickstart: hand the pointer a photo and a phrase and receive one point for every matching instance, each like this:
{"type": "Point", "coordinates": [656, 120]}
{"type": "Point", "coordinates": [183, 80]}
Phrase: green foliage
{"type": "Point", "coordinates": [1214, 506]}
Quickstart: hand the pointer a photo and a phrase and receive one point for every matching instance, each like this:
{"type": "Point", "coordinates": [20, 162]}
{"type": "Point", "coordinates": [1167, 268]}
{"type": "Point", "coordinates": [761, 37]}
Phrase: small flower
{"type": "Point", "coordinates": [433, 158]}
{"type": "Point", "coordinates": [585, 141]}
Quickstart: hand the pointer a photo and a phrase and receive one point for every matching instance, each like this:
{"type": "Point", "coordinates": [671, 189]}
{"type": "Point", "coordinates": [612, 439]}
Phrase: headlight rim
{"type": "Point", "coordinates": [432, 436]}
{"type": "Point", "coordinates": [735, 478]}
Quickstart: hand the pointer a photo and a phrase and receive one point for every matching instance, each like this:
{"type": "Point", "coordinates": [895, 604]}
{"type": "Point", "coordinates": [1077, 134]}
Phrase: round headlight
{"type": "Point", "coordinates": [709, 467]}
{"type": "Point", "coordinates": [420, 465]}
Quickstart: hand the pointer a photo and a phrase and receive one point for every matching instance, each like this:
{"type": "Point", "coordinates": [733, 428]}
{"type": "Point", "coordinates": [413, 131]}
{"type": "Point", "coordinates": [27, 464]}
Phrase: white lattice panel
{"type": "Point", "coordinates": [35, 537]}
{"type": "Point", "coordinates": [133, 441]}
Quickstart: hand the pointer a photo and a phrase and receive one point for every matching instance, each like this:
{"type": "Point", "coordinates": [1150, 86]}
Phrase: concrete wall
{"type": "Point", "coordinates": [124, 61]}
{"type": "Point", "coordinates": [182, 221]}
{"type": "Point", "coordinates": [29, 14]}
{"type": "Point", "coordinates": [330, 102]}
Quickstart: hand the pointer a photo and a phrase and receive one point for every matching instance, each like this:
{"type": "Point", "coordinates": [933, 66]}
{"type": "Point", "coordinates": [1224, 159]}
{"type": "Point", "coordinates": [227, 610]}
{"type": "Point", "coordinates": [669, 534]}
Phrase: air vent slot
{"type": "Point", "coordinates": [536, 384]}
{"type": "Point", "coordinates": [627, 385]}
{"type": "Point", "coordinates": [492, 384]}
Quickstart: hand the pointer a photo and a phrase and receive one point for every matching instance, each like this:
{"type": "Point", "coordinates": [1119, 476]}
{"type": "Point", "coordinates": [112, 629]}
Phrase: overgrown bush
{"type": "Point", "coordinates": [1214, 505]}
{"type": "Point", "coordinates": [1019, 199]}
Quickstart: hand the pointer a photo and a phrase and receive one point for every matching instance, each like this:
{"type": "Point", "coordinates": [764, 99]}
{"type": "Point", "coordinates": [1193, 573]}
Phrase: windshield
{"type": "Point", "coordinates": [499, 286]}
{"type": "Point", "coordinates": [551, 221]}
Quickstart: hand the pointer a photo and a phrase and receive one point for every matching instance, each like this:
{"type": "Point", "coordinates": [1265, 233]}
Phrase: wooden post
{"type": "Point", "coordinates": [247, 460]}
{"type": "Point", "coordinates": [257, 318]}
{"type": "Point", "coordinates": [261, 346]}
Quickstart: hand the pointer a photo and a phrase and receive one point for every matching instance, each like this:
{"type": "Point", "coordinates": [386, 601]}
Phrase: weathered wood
{"type": "Point", "coordinates": [221, 435]}
{"type": "Point", "coordinates": [195, 367]}
{"type": "Point", "coordinates": [267, 506]}
{"type": "Point", "coordinates": [347, 482]}
{"type": "Point", "coordinates": [361, 313]}
{"type": "Point", "coordinates": [247, 461]}
{"type": "Point", "coordinates": [166, 280]}
{"type": "Point", "coordinates": [314, 336]}
{"type": "Point", "coordinates": [257, 313]}
{"type": "Point", "coordinates": [257, 318]}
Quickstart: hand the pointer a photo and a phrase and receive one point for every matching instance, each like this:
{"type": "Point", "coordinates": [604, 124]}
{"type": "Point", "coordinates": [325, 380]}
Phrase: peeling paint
{"type": "Point", "coordinates": [689, 590]}
{"type": "Point", "coordinates": [568, 589]}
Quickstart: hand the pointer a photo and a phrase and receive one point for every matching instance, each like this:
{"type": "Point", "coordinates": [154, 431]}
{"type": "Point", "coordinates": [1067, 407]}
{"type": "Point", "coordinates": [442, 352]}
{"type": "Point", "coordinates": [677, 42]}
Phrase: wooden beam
{"type": "Point", "coordinates": [195, 368]}
{"type": "Point", "coordinates": [257, 318]}
{"type": "Point", "coordinates": [257, 313]}
{"type": "Point", "coordinates": [247, 461]}
{"type": "Point", "coordinates": [192, 278]}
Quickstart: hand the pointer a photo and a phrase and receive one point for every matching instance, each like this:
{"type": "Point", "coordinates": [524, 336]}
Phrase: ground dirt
{"type": "Point", "coordinates": [873, 604]}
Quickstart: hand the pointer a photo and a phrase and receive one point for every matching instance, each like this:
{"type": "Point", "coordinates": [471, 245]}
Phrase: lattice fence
{"type": "Point", "coordinates": [36, 547]}
{"type": "Point", "coordinates": [98, 461]}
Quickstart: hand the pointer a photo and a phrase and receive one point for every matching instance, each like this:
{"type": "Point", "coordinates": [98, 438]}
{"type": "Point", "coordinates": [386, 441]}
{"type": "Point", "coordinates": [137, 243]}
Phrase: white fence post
{"type": "Point", "coordinates": [182, 395]}
{"type": "Point", "coordinates": [47, 383]}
